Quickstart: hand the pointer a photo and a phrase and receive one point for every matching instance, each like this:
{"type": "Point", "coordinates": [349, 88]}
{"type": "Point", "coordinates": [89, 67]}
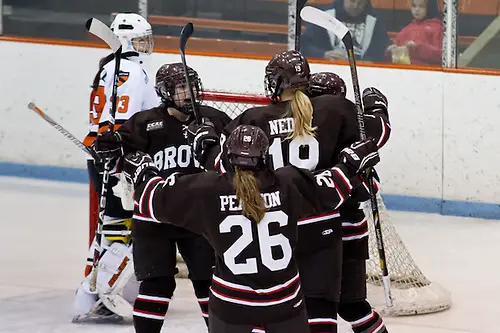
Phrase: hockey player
{"type": "Point", "coordinates": [162, 132]}
{"type": "Point", "coordinates": [249, 215]}
{"type": "Point", "coordinates": [354, 307]}
{"type": "Point", "coordinates": [307, 133]}
{"type": "Point", "coordinates": [136, 92]}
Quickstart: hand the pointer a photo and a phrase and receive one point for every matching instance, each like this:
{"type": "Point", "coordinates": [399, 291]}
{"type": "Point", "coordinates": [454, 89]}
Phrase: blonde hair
{"type": "Point", "coordinates": [301, 109]}
{"type": "Point", "coordinates": [248, 193]}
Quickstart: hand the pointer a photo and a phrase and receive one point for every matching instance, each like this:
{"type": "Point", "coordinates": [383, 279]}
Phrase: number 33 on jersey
{"type": "Point", "coordinates": [135, 93]}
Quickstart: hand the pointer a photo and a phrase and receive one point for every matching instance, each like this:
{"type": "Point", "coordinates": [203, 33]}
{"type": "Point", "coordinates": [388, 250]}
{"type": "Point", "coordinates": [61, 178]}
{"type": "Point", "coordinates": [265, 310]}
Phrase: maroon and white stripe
{"type": "Point", "coordinates": [230, 286]}
{"type": "Point", "coordinates": [151, 299]}
{"type": "Point", "coordinates": [322, 321]}
{"type": "Point", "coordinates": [318, 218]}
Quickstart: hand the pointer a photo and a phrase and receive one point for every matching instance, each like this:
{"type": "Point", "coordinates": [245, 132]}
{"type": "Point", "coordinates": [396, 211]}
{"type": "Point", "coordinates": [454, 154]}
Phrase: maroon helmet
{"type": "Point", "coordinates": [171, 76]}
{"type": "Point", "coordinates": [326, 83]}
{"type": "Point", "coordinates": [288, 69]}
{"type": "Point", "coordinates": [247, 147]}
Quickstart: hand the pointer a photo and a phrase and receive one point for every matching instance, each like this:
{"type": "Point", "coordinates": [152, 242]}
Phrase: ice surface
{"type": "Point", "coordinates": [43, 247]}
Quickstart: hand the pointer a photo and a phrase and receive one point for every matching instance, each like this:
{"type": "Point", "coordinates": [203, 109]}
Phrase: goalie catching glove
{"type": "Point", "coordinates": [201, 137]}
{"type": "Point", "coordinates": [139, 167]}
{"type": "Point", "coordinates": [360, 155]}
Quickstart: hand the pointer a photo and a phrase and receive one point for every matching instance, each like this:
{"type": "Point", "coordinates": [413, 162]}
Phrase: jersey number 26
{"type": "Point", "coordinates": [265, 242]}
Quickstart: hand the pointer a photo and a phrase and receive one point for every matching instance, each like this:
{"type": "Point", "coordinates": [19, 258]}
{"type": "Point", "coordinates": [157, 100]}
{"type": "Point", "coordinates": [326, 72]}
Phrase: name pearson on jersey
{"type": "Point", "coordinates": [231, 204]}
{"type": "Point", "coordinates": [281, 126]}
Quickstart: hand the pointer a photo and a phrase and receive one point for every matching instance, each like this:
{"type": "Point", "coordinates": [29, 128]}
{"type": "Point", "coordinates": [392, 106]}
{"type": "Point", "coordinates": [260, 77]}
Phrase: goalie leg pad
{"type": "Point", "coordinates": [115, 269]}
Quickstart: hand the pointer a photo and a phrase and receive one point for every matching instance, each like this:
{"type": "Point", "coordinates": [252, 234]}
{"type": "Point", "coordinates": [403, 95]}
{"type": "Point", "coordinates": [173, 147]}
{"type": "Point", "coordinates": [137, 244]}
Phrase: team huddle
{"type": "Point", "coordinates": [264, 208]}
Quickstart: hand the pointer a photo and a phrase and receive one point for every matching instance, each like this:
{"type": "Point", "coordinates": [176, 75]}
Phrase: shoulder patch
{"type": "Point", "coordinates": [123, 77]}
{"type": "Point", "coordinates": [154, 125]}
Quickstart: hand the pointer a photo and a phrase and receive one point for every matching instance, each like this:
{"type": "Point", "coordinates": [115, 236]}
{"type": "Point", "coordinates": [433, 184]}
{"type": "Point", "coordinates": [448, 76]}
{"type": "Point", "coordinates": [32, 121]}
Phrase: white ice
{"type": "Point", "coordinates": [43, 247]}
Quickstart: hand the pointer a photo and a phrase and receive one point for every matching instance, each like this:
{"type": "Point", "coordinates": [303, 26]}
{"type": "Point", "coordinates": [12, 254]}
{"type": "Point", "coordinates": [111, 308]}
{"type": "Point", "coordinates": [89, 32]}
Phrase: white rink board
{"type": "Point", "coordinates": [422, 104]}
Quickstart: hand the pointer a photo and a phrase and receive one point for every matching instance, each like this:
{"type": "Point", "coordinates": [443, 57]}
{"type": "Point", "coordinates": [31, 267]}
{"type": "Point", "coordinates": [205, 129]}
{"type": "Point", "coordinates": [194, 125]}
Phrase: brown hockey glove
{"type": "Point", "coordinates": [360, 155]}
{"type": "Point", "coordinates": [138, 167]}
{"type": "Point", "coordinates": [201, 137]}
{"type": "Point", "coordinates": [108, 145]}
{"type": "Point", "coordinates": [374, 101]}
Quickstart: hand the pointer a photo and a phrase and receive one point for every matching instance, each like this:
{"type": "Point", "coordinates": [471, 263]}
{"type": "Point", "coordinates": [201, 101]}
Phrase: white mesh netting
{"type": "Point", "coordinates": [412, 292]}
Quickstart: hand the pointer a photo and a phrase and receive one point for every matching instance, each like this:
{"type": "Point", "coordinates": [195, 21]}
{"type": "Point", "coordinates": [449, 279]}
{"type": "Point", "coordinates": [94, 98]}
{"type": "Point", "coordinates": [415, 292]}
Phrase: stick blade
{"type": "Point", "coordinates": [102, 31]}
{"type": "Point", "coordinates": [186, 33]}
{"type": "Point", "coordinates": [320, 18]}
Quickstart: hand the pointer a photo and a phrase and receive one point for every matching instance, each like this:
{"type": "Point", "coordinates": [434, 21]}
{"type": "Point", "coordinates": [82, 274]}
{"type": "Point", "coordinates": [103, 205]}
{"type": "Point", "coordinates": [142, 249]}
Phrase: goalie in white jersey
{"type": "Point", "coordinates": [136, 92]}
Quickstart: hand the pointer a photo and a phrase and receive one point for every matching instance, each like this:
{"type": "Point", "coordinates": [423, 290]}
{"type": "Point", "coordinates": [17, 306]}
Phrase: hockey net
{"type": "Point", "coordinates": [412, 292]}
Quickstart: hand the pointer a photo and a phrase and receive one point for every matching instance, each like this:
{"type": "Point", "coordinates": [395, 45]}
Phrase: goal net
{"type": "Point", "coordinates": [412, 292]}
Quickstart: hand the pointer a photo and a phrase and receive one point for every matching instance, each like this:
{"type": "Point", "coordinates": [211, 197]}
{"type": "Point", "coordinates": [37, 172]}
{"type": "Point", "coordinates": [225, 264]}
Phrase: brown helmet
{"type": "Point", "coordinates": [247, 147]}
{"type": "Point", "coordinates": [168, 77]}
{"type": "Point", "coordinates": [326, 83]}
{"type": "Point", "coordinates": [288, 69]}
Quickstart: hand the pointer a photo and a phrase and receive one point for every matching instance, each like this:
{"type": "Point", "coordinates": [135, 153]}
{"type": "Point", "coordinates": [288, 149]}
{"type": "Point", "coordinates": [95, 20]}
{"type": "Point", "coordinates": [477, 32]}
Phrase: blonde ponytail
{"type": "Point", "coordinates": [248, 193]}
{"type": "Point", "coordinates": [301, 109]}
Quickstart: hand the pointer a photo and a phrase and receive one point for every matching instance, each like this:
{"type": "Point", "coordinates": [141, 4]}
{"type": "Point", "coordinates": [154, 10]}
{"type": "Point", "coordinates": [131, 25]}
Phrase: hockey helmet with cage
{"type": "Point", "coordinates": [287, 69]}
{"type": "Point", "coordinates": [247, 148]}
{"type": "Point", "coordinates": [135, 35]}
{"type": "Point", "coordinates": [172, 88]}
{"type": "Point", "coordinates": [326, 83]}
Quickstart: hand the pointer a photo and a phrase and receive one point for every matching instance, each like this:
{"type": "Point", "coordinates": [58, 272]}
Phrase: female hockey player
{"type": "Point", "coordinates": [249, 215]}
{"type": "Point", "coordinates": [353, 306]}
{"type": "Point", "coordinates": [308, 133]}
{"type": "Point", "coordinates": [162, 132]}
{"type": "Point", "coordinates": [135, 93]}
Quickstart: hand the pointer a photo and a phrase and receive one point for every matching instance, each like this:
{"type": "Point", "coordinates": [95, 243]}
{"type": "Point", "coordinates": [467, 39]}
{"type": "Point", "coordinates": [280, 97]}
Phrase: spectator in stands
{"type": "Point", "coordinates": [421, 41]}
{"type": "Point", "coordinates": [369, 33]}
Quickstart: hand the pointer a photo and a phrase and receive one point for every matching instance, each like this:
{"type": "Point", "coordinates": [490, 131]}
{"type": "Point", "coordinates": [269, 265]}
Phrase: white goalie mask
{"type": "Point", "coordinates": [135, 34]}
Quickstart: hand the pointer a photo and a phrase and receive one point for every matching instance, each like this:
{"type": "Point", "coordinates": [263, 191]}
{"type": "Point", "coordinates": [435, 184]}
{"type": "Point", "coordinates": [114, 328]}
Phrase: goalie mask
{"type": "Point", "coordinates": [135, 35]}
{"type": "Point", "coordinates": [247, 148]}
{"type": "Point", "coordinates": [171, 86]}
{"type": "Point", "coordinates": [288, 69]}
{"type": "Point", "coordinates": [326, 83]}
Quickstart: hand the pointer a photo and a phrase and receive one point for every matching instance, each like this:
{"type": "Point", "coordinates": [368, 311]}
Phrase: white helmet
{"type": "Point", "coordinates": [135, 34]}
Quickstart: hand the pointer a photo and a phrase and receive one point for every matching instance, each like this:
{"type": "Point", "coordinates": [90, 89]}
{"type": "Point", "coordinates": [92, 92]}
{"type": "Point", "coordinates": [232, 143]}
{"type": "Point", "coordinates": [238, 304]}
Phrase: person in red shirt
{"type": "Point", "coordinates": [422, 38]}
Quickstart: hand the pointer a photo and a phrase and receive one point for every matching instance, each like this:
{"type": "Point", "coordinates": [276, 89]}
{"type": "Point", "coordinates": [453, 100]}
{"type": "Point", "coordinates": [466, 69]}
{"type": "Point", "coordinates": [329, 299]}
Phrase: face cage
{"type": "Point", "coordinates": [271, 87]}
{"type": "Point", "coordinates": [143, 44]}
{"type": "Point", "coordinates": [168, 95]}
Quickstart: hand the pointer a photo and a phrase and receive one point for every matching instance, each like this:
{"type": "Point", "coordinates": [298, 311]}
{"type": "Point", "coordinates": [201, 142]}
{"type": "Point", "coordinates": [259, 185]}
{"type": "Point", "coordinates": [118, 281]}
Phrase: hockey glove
{"type": "Point", "coordinates": [360, 155]}
{"type": "Point", "coordinates": [201, 137]}
{"type": "Point", "coordinates": [374, 101]}
{"type": "Point", "coordinates": [108, 145]}
{"type": "Point", "coordinates": [139, 167]}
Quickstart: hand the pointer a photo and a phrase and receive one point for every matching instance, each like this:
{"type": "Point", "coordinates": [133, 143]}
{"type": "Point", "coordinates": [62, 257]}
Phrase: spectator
{"type": "Point", "coordinates": [422, 39]}
{"type": "Point", "coordinates": [369, 33]}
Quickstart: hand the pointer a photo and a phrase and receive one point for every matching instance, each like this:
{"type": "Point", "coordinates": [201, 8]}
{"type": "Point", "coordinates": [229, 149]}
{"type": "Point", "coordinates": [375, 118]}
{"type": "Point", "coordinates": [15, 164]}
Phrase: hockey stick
{"type": "Point", "coordinates": [63, 131]}
{"type": "Point", "coordinates": [102, 31]}
{"type": "Point", "coordinates": [186, 32]}
{"type": "Point", "coordinates": [330, 23]}
{"type": "Point", "coordinates": [294, 23]}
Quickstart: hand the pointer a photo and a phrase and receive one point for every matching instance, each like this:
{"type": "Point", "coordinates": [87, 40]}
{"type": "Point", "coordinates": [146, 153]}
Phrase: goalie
{"type": "Point", "coordinates": [115, 286]}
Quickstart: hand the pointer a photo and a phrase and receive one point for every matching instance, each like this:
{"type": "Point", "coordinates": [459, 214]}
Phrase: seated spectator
{"type": "Point", "coordinates": [369, 34]}
{"type": "Point", "coordinates": [421, 41]}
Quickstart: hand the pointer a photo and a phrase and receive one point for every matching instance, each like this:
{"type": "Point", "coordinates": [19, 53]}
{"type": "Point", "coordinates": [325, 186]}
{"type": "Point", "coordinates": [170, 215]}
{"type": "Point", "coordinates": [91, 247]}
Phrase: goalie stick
{"type": "Point", "coordinates": [113, 302]}
{"type": "Point", "coordinates": [102, 31]}
{"type": "Point", "coordinates": [330, 23]}
{"type": "Point", "coordinates": [186, 33]}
